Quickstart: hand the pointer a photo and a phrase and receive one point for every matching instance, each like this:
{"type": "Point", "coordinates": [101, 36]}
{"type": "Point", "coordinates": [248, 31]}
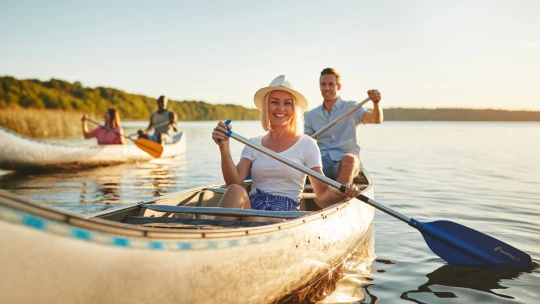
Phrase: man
{"type": "Point", "coordinates": [339, 144]}
{"type": "Point", "coordinates": [162, 132]}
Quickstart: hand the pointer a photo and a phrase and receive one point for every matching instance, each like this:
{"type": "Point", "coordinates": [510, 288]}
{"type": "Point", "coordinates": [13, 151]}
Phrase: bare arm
{"type": "Point", "coordinates": [329, 196]}
{"type": "Point", "coordinates": [85, 127]}
{"type": "Point", "coordinates": [231, 174]}
{"type": "Point", "coordinates": [376, 116]}
{"type": "Point", "coordinates": [234, 174]}
{"type": "Point", "coordinates": [172, 121]}
{"type": "Point", "coordinates": [141, 132]}
{"type": "Point", "coordinates": [122, 136]}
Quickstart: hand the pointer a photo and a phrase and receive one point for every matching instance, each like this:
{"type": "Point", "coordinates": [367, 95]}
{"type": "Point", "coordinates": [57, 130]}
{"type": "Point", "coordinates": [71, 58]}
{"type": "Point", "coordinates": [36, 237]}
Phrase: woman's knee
{"type": "Point", "coordinates": [236, 189]}
{"type": "Point", "coordinates": [234, 197]}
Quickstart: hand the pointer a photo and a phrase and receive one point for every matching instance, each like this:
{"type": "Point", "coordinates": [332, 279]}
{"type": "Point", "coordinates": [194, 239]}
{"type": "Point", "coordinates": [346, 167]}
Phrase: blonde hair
{"type": "Point", "coordinates": [296, 124]}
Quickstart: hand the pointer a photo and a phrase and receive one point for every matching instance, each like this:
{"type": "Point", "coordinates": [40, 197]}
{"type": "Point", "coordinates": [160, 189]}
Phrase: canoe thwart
{"type": "Point", "coordinates": [217, 190]}
{"type": "Point", "coordinates": [185, 223]}
{"type": "Point", "coordinates": [309, 187]}
{"type": "Point", "coordinates": [219, 211]}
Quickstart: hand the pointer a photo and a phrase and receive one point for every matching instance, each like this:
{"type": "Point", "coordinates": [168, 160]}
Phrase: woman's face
{"type": "Point", "coordinates": [107, 116]}
{"type": "Point", "coordinates": [280, 108]}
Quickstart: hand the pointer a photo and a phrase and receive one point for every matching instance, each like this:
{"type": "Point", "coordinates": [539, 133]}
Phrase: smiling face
{"type": "Point", "coordinates": [329, 87]}
{"type": "Point", "coordinates": [280, 108]}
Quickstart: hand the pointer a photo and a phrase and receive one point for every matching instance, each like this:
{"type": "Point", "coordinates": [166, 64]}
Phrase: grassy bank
{"type": "Point", "coordinates": [40, 123]}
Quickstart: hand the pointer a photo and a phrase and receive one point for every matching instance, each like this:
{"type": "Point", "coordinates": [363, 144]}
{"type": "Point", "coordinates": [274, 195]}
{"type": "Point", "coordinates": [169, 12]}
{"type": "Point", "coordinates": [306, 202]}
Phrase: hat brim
{"type": "Point", "coordinates": [258, 99]}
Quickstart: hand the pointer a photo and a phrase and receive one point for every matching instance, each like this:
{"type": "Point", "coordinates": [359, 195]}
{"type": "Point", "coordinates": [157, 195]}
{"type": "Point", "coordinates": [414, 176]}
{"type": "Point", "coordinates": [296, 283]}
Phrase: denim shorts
{"type": "Point", "coordinates": [261, 200]}
{"type": "Point", "coordinates": [330, 167]}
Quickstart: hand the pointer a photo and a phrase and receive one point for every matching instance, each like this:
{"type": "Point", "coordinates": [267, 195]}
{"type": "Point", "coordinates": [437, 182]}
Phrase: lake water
{"type": "Point", "coordinates": [484, 175]}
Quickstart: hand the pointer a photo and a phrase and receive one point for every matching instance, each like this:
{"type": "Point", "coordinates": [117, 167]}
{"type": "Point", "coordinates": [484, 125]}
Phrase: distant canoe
{"type": "Point", "coordinates": [23, 153]}
{"type": "Point", "coordinates": [170, 250]}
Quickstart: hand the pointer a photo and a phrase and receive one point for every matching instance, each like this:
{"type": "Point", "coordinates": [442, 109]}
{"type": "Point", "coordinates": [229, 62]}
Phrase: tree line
{"type": "Point", "coordinates": [74, 97]}
{"type": "Point", "coordinates": [62, 95]}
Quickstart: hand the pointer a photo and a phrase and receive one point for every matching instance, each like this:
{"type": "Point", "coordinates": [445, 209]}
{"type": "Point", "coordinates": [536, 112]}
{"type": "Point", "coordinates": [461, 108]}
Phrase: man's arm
{"type": "Point", "coordinates": [172, 121]}
{"type": "Point", "coordinates": [376, 116]}
{"type": "Point", "coordinates": [141, 132]}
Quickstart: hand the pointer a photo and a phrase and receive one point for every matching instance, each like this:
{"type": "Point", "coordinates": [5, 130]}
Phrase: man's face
{"type": "Point", "coordinates": [329, 87]}
{"type": "Point", "coordinates": [162, 103]}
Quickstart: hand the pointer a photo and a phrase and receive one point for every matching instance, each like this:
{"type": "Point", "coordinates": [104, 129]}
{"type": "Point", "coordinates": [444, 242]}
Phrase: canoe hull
{"type": "Point", "coordinates": [67, 260]}
{"type": "Point", "coordinates": [22, 153]}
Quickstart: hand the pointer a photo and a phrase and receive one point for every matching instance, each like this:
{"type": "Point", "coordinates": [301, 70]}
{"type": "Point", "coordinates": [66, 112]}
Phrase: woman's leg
{"type": "Point", "coordinates": [234, 197]}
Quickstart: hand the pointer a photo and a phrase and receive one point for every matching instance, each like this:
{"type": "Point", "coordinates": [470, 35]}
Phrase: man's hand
{"type": "Point", "coordinates": [374, 95]}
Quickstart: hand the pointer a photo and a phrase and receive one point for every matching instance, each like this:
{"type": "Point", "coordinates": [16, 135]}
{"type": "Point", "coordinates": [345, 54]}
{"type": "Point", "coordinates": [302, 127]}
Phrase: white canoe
{"type": "Point", "coordinates": [136, 254]}
{"type": "Point", "coordinates": [23, 153]}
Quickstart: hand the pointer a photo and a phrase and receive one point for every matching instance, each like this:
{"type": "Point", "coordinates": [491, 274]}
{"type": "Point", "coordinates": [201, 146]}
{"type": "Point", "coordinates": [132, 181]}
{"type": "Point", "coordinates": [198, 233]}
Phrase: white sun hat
{"type": "Point", "coordinates": [281, 83]}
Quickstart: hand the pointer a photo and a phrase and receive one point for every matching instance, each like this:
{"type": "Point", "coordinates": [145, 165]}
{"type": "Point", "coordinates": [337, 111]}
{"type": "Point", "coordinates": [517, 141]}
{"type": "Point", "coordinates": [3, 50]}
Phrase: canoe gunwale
{"type": "Point", "coordinates": [95, 223]}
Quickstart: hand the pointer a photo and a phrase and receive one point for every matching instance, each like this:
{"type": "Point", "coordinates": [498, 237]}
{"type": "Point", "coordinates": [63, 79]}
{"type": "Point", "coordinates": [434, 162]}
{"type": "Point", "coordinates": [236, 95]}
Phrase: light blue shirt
{"type": "Point", "coordinates": [340, 139]}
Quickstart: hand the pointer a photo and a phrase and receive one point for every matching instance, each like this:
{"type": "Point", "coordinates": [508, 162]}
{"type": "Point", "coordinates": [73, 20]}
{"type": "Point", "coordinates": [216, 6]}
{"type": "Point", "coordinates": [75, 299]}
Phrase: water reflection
{"type": "Point", "coordinates": [104, 186]}
{"type": "Point", "coordinates": [480, 279]}
{"type": "Point", "coordinates": [347, 283]}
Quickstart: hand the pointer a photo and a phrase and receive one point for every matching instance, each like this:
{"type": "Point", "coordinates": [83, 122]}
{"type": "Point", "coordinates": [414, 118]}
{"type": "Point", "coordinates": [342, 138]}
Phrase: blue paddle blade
{"type": "Point", "coordinates": [461, 245]}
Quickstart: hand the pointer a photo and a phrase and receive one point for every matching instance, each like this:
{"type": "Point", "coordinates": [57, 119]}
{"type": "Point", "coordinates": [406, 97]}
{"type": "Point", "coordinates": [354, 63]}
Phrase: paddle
{"type": "Point", "coordinates": [335, 121]}
{"type": "Point", "coordinates": [151, 147]}
{"type": "Point", "coordinates": [454, 243]}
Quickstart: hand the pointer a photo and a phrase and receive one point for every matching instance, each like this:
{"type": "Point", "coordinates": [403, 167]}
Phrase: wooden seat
{"type": "Point", "coordinates": [308, 195]}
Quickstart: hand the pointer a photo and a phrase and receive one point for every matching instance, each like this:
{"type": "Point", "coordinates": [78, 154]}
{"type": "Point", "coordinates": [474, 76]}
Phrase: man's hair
{"type": "Point", "coordinates": [162, 97]}
{"type": "Point", "coordinates": [331, 71]}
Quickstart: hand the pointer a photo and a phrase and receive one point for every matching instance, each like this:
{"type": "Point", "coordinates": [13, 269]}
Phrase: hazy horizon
{"type": "Point", "coordinates": [460, 54]}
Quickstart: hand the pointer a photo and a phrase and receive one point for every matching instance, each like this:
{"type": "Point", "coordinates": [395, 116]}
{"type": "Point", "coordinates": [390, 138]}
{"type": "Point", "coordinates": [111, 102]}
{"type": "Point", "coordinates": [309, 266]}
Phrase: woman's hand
{"type": "Point", "coordinates": [351, 191]}
{"type": "Point", "coordinates": [84, 118]}
{"type": "Point", "coordinates": [220, 133]}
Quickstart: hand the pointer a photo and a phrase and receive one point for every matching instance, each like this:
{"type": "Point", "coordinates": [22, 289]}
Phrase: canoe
{"type": "Point", "coordinates": [170, 249]}
{"type": "Point", "coordinates": [23, 153]}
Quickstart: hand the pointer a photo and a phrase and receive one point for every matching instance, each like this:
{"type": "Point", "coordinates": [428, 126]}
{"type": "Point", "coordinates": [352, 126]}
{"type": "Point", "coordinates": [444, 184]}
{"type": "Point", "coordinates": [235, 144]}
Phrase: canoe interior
{"type": "Point", "coordinates": [202, 197]}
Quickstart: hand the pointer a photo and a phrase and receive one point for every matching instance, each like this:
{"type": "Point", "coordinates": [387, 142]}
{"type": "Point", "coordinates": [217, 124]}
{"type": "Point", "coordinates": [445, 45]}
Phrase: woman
{"type": "Point", "coordinates": [111, 134]}
{"type": "Point", "coordinates": [276, 186]}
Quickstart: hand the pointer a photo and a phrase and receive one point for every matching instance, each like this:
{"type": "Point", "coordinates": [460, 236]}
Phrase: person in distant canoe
{"type": "Point", "coordinates": [339, 144]}
{"type": "Point", "coordinates": [276, 186]}
{"type": "Point", "coordinates": [162, 133]}
{"type": "Point", "coordinates": [112, 134]}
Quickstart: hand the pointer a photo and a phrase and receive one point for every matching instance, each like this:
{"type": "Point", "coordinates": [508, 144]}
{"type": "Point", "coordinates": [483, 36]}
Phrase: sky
{"type": "Point", "coordinates": [418, 54]}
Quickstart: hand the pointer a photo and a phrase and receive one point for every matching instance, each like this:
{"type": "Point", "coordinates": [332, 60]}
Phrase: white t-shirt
{"type": "Point", "coordinates": [275, 177]}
